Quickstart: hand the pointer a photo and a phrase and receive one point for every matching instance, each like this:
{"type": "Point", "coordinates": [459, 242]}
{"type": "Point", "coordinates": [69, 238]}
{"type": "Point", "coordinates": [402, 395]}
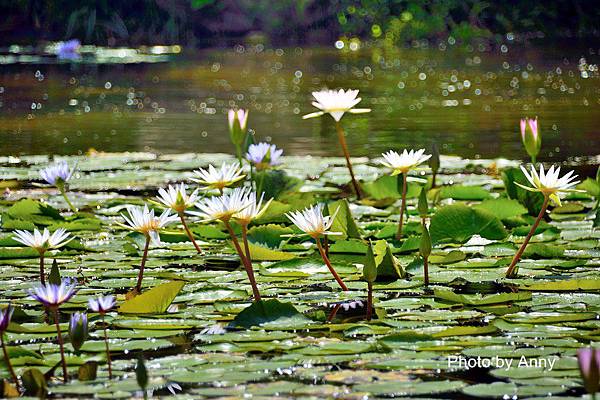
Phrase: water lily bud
{"type": "Point", "coordinates": [370, 267]}
{"type": "Point", "coordinates": [531, 137]}
{"type": "Point", "coordinates": [237, 126]}
{"type": "Point", "coordinates": [425, 245]}
{"type": "Point", "coordinates": [589, 367]}
{"type": "Point", "coordinates": [78, 330]}
{"type": "Point", "coordinates": [141, 373]}
{"type": "Point", "coordinates": [422, 205]}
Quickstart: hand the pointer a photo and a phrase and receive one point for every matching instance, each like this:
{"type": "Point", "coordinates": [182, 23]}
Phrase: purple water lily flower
{"type": "Point", "coordinates": [68, 50]}
{"type": "Point", "coordinates": [51, 295]}
{"type": "Point", "coordinates": [78, 329]}
{"type": "Point", "coordinates": [102, 304]}
{"type": "Point", "coordinates": [264, 155]}
{"type": "Point", "coordinates": [5, 316]}
{"type": "Point", "coordinates": [58, 172]}
{"type": "Point", "coordinates": [589, 367]}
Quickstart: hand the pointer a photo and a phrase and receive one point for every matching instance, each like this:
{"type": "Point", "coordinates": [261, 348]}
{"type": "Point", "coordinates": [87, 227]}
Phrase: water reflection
{"type": "Point", "coordinates": [469, 100]}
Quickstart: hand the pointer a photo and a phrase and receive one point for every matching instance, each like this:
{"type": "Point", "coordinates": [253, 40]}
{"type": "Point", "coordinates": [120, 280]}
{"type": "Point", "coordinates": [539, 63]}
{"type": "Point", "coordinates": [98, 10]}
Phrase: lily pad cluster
{"type": "Point", "coordinates": [200, 334]}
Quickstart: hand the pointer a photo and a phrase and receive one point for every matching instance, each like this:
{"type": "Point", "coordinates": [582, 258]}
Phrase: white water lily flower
{"type": "Point", "coordinates": [223, 207]}
{"type": "Point", "coordinates": [312, 222]}
{"type": "Point", "coordinates": [263, 155]}
{"type": "Point", "coordinates": [142, 220]}
{"type": "Point", "coordinates": [213, 178]}
{"type": "Point", "coordinates": [402, 163]}
{"type": "Point", "coordinates": [176, 198]}
{"type": "Point", "coordinates": [42, 241]}
{"type": "Point", "coordinates": [548, 183]}
{"type": "Point", "coordinates": [336, 103]}
{"type": "Point", "coordinates": [57, 173]}
{"type": "Point", "coordinates": [253, 210]}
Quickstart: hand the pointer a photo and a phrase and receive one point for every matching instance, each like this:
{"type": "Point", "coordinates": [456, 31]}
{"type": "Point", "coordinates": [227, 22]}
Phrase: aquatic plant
{"type": "Point", "coordinates": [52, 296]}
{"type": "Point", "coordinates": [102, 305]}
{"type": "Point", "coordinates": [434, 164]}
{"type": "Point", "coordinates": [42, 242]}
{"type": "Point", "coordinates": [58, 174]}
{"type": "Point", "coordinates": [369, 274]}
{"type": "Point", "coordinates": [425, 251]}
{"type": "Point", "coordinates": [551, 186]}
{"type": "Point", "coordinates": [336, 103]}
{"type": "Point", "coordinates": [403, 164]}
{"type": "Point", "coordinates": [238, 122]}
{"type": "Point", "coordinates": [531, 138]}
{"type": "Point", "coordinates": [224, 208]}
{"type": "Point", "coordinates": [588, 359]}
{"type": "Point", "coordinates": [5, 317]}
{"type": "Point", "coordinates": [219, 179]}
{"type": "Point", "coordinates": [78, 329]}
{"type": "Point", "coordinates": [177, 199]}
{"type": "Point", "coordinates": [142, 220]}
{"type": "Point", "coordinates": [263, 155]}
{"type": "Point", "coordinates": [253, 210]}
{"type": "Point", "coordinates": [313, 223]}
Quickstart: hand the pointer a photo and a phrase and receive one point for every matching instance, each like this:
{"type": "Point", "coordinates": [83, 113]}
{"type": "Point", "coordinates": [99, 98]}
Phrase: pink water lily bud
{"type": "Point", "coordinates": [531, 137]}
{"type": "Point", "coordinates": [589, 367]}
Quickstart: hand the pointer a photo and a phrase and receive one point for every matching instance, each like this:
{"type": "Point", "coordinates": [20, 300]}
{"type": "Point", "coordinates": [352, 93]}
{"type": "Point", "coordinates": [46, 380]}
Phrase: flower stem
{"type": "Point", "coordinates": [138, 286]}
{"type": "Point", "coordinates": [61, 345]}
{"type": "Point", "coordinates": [369, 300]}
{"type": "Point", "coordinates": [342, 139]}
{"type": "Point", "coordinates": [245, 240]}
{"type": "Point", "coordinates": [189, 233]}
{"type": "Point", "coordinates": [426, 271]}
{"type": "Point", "coordinates": [42, 272]}
{"type": "Point", "coordinates": [7, 361]}
{"type": "Point", "coordinates": [511, 269]}
{"type": "Point", "coordinates": [64, 195]}
{"type": "Point", "coordinates": [107, 349]}
{"type": "Point", "coordinates": [402, 207]}
{"type": "Point", "coordinates": [328, 263]}
{"type": "Point", "coordinates": [245, 260]}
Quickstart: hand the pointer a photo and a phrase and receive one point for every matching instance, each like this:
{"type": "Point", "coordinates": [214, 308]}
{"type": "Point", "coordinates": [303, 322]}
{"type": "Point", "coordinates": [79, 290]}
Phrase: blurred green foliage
{"type": "Point", "coordinates": [214, 22]}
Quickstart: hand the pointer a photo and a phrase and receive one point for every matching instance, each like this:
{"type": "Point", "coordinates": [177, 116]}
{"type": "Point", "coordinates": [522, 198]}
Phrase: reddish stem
{"type": "Point", "coordinates": [511, 269]}
{"type": "Point", "coordinates": [342, 139]}
{"type": "Point", "coordinates": [108, 361]}
{"type": "Point", "coordinates": [245, 260]}
{"type": "Point", "coordinates": [138, 286]}
{"type": "Point", "coordinates": [328, 263]}
{"type": "Point", "coordinates": [426, 271]}
{"type": "Point", "coordinates": [61, 345]}
{"type": "Point", "coordinates": [189, 233]}
{"type": "Point", "coordinates": [42, 272]}
{"type": "Point", "coordinates": [7, 361]}
{"type": "Point", "coordinates": [402, 207]}
{"type": "Point", "coordinates": [369, 300]}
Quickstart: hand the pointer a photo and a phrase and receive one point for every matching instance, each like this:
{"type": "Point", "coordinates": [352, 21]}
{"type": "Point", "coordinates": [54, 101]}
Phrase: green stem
{"type": "Point", "coordinates": [245, 260]}
{"type": "Point", "coordinates": [328, 263]}
{"type": "Point", "coordinates": [61, 345]}
{"type": "Point", "coordinates": [402, 207]}
{"type": "Point", "coordinates": [108, 361]}
{"type": "Point", "coordinates": [64, 195]}
{"type": "Point", "coordinates": [342, 139]}
{"type": "Point", "coordinates": [511, 269]}
{"type": "Point", "coordinates": [7, 361]}
{"type": "Point", "coordinates": [138, 286]}
{"type": "Point", "coordinates": [42, 272]}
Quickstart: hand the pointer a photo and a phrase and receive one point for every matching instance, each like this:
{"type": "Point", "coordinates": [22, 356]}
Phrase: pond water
{"type": "Point", "coordinates": [468, 100]}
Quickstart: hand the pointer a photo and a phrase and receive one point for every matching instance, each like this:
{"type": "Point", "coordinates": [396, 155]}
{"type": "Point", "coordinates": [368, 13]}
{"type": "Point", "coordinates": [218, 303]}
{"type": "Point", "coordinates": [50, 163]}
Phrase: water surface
{"type": "Point", "coordinates": [468, 100]}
